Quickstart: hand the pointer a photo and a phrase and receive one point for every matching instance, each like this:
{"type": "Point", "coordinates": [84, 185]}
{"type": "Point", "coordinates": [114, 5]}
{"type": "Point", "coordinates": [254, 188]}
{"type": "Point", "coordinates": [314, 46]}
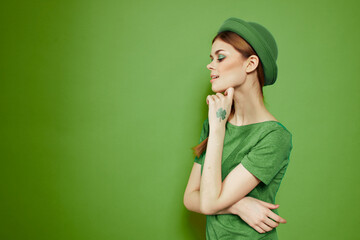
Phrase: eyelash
{"type": "Point", "coordinates": [219, 59]}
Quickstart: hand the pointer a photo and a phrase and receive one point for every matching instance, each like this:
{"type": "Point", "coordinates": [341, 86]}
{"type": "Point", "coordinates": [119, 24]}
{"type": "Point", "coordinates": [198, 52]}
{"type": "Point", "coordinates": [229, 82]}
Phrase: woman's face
{"type": "Point", "coordinates": [228, 64]}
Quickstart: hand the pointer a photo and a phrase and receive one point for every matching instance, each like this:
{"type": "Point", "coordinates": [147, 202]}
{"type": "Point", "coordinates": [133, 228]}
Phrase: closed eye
{"type": "Point", "coordinates": [219, 59]}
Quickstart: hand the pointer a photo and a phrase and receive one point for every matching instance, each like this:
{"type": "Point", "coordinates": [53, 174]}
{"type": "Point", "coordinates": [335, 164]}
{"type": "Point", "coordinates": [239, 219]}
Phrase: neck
{"type": "Point", "coordinates": [248, 105]}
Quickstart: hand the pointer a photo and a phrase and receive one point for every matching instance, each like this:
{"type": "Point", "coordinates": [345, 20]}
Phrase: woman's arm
{"type": "Point", "coordinates": [253, 211]}
{"type": "Point", "coordinates": [216, 195]}
{"type": "Point", "coordinates": [257, 214]}
{"type": "Point", "coordinates": [192, 191]}
{"type": "Point", "coordinates": [192, 203]}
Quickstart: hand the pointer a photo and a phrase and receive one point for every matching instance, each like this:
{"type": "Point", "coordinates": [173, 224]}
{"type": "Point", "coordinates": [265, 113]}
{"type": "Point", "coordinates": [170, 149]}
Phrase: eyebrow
{"type": "Point", "coordinates": [217, 51]}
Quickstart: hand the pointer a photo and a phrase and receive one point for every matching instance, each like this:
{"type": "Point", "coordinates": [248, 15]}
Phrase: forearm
{"type": "Point", "coordinates": [194, 204]}
{"type": "Point", "coordinates": [211, 182]}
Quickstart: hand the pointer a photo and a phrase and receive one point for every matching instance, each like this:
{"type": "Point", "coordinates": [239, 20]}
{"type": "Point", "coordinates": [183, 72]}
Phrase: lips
{"type": "Point", "coordinates": [213, 79]}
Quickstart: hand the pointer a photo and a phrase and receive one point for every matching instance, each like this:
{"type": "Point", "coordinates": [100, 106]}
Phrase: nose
{"type": "Point", "coordinates": [209, 66]}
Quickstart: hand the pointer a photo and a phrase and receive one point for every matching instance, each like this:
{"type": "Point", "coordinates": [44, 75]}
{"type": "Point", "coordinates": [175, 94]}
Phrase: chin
{"type": "Point", "coordinates": [217, 89]}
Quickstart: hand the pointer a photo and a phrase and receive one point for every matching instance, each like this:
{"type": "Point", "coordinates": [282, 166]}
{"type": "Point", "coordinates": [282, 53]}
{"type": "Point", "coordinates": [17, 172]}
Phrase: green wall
{"type": "Point", "coordinates": [101, 102]}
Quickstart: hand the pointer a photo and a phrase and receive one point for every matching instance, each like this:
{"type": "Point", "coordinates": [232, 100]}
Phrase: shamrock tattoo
{"type": "Point", "coordinates": [221, 113]}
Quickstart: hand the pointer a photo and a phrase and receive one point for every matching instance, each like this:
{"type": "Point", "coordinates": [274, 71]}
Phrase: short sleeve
{"type": "Point", "coordinates": [204, 134]}
{"type": "Point", "coordinates": [269, 155]}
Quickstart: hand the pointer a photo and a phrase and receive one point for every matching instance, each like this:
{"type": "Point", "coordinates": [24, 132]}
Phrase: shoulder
{"type": "Point", "coordinates": [275, 135]}
{"type": "Point", "coordinates": [276, 128]}
{"type": "Point", "coordinates": [283, 128]}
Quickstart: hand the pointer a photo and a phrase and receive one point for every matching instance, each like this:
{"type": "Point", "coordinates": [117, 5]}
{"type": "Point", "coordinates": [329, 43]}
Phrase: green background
{"type": "Point", "coordinates": [101, 102]}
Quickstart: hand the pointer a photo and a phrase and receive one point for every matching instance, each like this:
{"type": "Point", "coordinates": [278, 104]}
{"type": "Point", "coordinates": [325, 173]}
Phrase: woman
{"type": "Point", "coordinates": [243, 152]}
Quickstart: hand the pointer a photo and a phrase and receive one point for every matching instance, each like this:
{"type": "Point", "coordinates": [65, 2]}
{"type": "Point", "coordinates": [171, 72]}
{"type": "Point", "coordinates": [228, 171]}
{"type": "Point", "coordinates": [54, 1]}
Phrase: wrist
{"type": "Point", "coordinates": [224, 211]}
{"type": "Point", "coordinates": [217, 130]}
{"type": "Point", "coordinates": [231, 209]}
{"type": "Point", "coordinates": [238, 206]}
{"type": "Point", "coordinates": [216, 138]}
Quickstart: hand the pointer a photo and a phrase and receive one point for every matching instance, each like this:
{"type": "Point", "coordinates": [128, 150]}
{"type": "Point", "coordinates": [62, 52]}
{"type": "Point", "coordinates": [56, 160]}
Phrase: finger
{"type": "Point", "coordinates": [229, 92]}
{"type": "Point", "coordinates": [257, 228]}
{"type": "Point", "coordinates": [265, 227]}
{"type": "Point", "coordinates": [273, 206]}
{"type": "Point", "coordinates": [209, 99]}
{"type": "Point", "coordinates": [276, 217]}
{"type": "Point", "coordinates": [271, 223]}
{"type": "Point", "coordinates": [269, 205]}
{"type": "Point", "coordinates": [220, 96]}
{"type": "Point", "coordinates": [215, 97]}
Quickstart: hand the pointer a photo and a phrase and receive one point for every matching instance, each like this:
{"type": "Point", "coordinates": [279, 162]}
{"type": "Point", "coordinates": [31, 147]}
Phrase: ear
{"type": "Point", "coordinates": [253, 62]}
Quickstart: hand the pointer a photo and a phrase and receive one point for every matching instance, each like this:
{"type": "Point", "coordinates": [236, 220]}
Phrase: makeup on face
{"type": "Point", "coordinates": [221, 57]}
{"type": "Point", "coordinates": [217, 52]}
{"type": "Point", "coordinates": [211, 57]}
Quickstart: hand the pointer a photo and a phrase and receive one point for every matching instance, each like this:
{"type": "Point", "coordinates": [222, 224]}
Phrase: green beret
{"type": "Point", "coordinates": [260, 39]}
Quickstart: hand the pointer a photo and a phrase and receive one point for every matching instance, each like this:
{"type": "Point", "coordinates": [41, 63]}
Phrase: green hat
{"type": "Point", "coordinates": [260, 39]}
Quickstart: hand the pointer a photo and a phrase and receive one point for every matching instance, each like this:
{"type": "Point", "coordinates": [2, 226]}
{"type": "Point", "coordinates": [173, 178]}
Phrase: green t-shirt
{"type": "Point", "coordinates": [263, 148]}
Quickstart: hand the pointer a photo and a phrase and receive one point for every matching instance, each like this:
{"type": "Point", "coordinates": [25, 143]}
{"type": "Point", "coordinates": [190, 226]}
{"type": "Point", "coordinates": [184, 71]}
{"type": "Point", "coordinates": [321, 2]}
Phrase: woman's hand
{"type": "Point", "coordinates": [256, 213]}
{"type": "Point", "coordinates": [219, 108]}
